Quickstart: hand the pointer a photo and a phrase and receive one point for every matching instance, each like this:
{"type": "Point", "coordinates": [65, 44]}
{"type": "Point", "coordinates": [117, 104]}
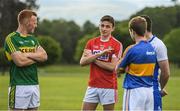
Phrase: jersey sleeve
{"type": "Point", "coordinates": [10, 45]}
{"type": "Point", "coordinates": [118, 50]}
{"type": "Point", "coordinates": [88, 45]}
{"type": "Point", "coordinates": [161, 52]}
{"type": "Point", "coordinates": [127, 57]}
{"type": "Point", "coordinates": [36, 42]}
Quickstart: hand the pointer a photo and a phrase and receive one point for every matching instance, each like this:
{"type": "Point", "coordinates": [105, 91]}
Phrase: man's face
{"type": "Point", "coordinates": [106, 28]}
{"type": "Point", "coordinates": [32, 24]}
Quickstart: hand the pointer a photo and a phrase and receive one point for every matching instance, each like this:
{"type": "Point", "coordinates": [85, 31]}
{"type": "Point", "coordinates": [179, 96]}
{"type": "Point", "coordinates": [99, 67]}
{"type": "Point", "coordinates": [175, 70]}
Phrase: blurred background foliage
{"type": "Point", "coordinates": [65, 40]}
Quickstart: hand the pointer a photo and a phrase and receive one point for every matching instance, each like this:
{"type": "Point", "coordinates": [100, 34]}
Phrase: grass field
{"type": "Point", "coordinates": [63, 88]}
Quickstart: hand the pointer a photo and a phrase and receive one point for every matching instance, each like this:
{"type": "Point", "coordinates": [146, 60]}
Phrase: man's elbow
{"type": "Point", "coordinates": [19, 63]}
{"type": "Point", "coordinates": [44, 58]}
{"type": "Point", "coordinates": [112, 69]}
{"type": "Point", "coordinates": [82, 63]}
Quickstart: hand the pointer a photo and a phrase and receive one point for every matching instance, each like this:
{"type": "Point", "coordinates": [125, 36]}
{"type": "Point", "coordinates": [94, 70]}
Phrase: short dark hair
{"type": "Point", "coordinates": [139, 25]}
{"type": "Point", "coordinates": [149, 22]}
{"type": "Point", "coordinates": [25, 14]}
{"type": "Point", "coordinates": [109, 19]}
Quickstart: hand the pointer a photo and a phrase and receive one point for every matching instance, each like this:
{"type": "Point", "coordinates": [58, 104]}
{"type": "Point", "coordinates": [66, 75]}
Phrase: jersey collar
{"type": "Point", "coordinates": [152, 37]}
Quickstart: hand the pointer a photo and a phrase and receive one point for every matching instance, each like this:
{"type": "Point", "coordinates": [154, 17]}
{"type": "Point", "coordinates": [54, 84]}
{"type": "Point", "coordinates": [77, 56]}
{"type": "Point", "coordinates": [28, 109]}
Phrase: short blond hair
{"type": "Point", "coordinates": [24, 15]}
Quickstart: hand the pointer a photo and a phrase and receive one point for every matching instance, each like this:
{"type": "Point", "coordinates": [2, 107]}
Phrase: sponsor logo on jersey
{"type": "Point", "coordinates": [103, 57]}
{"type": "Point", "coordinates": [150, 53]}
{"type": "Point", "coordinates": [21, 42]}
{"type": "Point", "coordinates": [27, 49]}
{"type": "Point", "coordinates": [26, 41]}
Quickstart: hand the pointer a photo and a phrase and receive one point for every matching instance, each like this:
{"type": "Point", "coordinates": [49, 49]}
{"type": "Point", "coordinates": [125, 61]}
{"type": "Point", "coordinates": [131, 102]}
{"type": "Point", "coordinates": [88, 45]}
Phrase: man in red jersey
{"type": "Point", "coordinates": [102, 53]}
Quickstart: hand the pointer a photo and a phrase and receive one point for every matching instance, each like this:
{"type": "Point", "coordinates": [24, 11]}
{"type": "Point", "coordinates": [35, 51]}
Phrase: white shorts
{"type": "Point", "coordinates": [23, 97]}
{"type": "Point", "coordinates": [100, 95]}
{"type": "Point", "coordinates": [138, 99]}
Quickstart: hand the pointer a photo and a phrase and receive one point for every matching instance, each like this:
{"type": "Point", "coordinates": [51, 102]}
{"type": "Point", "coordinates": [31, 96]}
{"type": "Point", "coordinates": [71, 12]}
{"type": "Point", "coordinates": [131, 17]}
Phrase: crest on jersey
{"type": "Point", "coordinates": [101, 47]}
{"type": "Point", "coordinates": [32, 42]}
{"type": "Point", "coordinates": [109, 47]}
{"type": "Point", "coordinates": [21, 42]}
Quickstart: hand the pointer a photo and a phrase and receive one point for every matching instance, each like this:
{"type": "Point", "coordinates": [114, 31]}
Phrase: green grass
{"type": "Point", "coordinates": [63, 88]}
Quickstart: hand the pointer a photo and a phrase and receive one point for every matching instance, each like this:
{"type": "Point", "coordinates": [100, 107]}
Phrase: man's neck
{"type": "Point", "coordinates": [149, 35]}
{"type": "Point", "coordinates": [140, 38]}
{"type": "Point", "coordinates": [105, 38]}
{"type": "Point", "coordinates": [22, 31]}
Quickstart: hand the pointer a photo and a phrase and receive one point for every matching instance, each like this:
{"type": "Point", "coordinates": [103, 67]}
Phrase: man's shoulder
{"type": "Point", "coordinates": [94, 39]}
{"type": "Point", "coordinates": [158, 42]}
{"type": "Point", "coordinates": [116, 41]}
{"type": "Point", "coordinates": [10, 35]}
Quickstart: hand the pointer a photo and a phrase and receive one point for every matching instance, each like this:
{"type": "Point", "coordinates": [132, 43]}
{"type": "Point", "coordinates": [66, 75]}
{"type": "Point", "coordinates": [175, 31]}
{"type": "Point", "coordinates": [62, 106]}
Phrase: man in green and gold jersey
{"type": "Point", "coordinates": [24, 51]}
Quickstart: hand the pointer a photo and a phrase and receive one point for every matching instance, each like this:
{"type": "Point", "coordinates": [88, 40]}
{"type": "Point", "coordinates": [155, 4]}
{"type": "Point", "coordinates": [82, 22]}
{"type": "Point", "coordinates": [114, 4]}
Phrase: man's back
{"type": "Point", "coordinates": [140, 59]}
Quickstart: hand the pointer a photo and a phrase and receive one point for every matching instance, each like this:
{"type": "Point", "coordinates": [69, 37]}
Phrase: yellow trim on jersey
{"type": "Point", "coordinates": [24, 35]}
{"type": "Point", "coordinates": [124, 54]}
{"type": "Point", "coordinates": [9, 42]}
{"type": "Point", "coordinates": [141, 69]}
{"type": "Point", "coordinates": [10, 45]}
{"type": "Point", "coordinates": [126, 50]}
{"type": "Point", "coordinates": [8, 56]}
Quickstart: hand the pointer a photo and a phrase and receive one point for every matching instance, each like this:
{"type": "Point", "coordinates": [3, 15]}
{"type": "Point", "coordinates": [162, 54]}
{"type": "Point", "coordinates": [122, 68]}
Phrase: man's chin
{"type": "Point", "coordinates": [105, 35]}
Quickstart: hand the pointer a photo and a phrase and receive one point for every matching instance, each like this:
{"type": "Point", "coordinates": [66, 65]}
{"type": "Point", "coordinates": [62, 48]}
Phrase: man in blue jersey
{"type": "Point", "coordinates": [162, 64]}
{"type": "Point", "coordinates": [139, 62]}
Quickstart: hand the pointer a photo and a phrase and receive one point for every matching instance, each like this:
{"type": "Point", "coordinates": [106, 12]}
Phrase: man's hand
{"type": "Point", "coordinates": [105, 51]}
{"type": "Point", "coordinates": [87, 53]}
{"type": "Point", "coordinates": [163, 92]}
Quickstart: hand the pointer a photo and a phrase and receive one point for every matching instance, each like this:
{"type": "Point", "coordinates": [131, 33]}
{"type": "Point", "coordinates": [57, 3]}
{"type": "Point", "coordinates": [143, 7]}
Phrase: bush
{"type": "Point", "coordinates": [81, 44]}
{"type": "Point", "coordinates": [172, 41]}
{"type": "Point", "coordinates": [52, 48]}
{"type": "Point", "coordinates": [4, 62]}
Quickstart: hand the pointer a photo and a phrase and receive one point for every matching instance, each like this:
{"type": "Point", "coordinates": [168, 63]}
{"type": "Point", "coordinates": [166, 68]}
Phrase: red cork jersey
{"type": "Point", "coordinates": [100, 77]}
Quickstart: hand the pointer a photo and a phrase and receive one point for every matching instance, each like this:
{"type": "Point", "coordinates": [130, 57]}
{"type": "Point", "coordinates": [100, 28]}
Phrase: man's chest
{"type": "Point", "coordinates": [26, 45]}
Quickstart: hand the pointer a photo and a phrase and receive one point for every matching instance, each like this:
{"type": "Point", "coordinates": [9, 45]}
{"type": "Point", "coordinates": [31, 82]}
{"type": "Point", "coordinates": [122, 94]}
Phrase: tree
{"type": "Point", "coordinates": [9, 10]}
{"type": "Point", "coordinates": [52, 48]}
{"type": "Point", "coordinates": [175, 1]}
{"type": "Point", "coordinates": [4, 62]}
{"type": "Point", "coordinates": [81, 45]}
{"type": "Point", "coordinates": [172, 41]}
{"type": "Point", "coordinates": [88, 28]}
{"type": "Point", "coordinates": [121, 33]}
{"type": "Point", "coordinates": [163, 18]}
{"type": "Point", "coordinates": [67, 33]}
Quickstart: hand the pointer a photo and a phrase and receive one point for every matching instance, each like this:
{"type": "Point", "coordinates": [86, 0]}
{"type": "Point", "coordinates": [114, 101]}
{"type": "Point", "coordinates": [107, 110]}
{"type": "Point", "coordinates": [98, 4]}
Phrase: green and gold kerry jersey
{"type": "Point", "coordinates": [26, 75]}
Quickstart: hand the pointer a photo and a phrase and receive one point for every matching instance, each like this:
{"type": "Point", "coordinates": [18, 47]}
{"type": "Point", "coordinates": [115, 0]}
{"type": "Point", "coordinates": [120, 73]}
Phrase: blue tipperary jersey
{"type": "Point", "coordinates": [140, 60]}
